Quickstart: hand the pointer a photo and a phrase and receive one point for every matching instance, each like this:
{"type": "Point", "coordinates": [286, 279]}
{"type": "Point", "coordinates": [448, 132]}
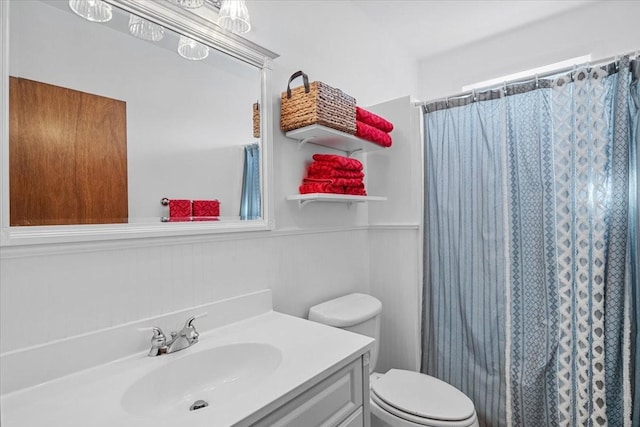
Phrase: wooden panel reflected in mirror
{"type": "Point", "coordinates": [68, 156]}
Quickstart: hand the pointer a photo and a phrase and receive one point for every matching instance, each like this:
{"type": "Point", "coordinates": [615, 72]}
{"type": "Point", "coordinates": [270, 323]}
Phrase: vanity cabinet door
{"type": "Point", "coordinates": [331, 403]}
{"type": "Point", "coordinates": [355, 420]}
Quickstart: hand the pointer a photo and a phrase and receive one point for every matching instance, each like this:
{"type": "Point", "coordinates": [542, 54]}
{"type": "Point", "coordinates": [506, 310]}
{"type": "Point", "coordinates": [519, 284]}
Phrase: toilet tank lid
{"type": "Point", "coordinates": [346, 311]}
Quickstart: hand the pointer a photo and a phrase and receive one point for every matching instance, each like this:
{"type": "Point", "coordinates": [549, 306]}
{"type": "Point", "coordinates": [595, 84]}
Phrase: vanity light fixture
{"type": "Point", "coordinates": [92, 10]}
{"type": "Point", "coordinates": [145, 30]}
{"type": "Point", "coordinates": [191, 49]}
{"type": "Point", "coordinates": [234, 16]}
{"type": "Point", "coordinates": [188, 4]}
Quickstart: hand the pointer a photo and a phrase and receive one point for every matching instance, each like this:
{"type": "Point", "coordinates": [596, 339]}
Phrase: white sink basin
{"type": "Point", "coordinates": [243, 370]}
{"type": "Point", "coordinates": [215, 375]}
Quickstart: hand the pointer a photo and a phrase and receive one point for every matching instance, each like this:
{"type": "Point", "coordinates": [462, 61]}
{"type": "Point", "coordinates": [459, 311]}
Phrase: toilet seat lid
{"type": "Point", "coordinates": [422, 395]}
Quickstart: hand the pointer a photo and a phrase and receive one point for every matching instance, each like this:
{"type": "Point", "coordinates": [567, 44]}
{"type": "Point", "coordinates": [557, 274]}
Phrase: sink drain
{"type": "Point", "coordinates": [198, 404]}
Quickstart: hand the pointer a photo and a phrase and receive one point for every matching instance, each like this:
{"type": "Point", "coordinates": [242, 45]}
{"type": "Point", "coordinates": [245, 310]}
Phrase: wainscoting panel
{"type": "Point", "coordinates": [48, 296]}
{"type": "Point", "coordinates": [396, 273]}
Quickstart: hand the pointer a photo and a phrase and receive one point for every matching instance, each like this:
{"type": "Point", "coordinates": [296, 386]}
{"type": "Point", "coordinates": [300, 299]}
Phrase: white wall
{"type": "Point", "coordinates": [395, 237]}
{"type": "Point", "coordinates": [317, 252]}
{"type": "Point", "coordinates": [334, 42]}
{"type": "Point", "coordinates": [603, 28]}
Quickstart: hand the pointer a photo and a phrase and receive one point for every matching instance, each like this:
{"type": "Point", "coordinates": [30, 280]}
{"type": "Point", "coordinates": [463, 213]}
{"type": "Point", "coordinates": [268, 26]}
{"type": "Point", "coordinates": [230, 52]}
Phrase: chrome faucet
{"type": "Point", "coordinates": [180, 340]}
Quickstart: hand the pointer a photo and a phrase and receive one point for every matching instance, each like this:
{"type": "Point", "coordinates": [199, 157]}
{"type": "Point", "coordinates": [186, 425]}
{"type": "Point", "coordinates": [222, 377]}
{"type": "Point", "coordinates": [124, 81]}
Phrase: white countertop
{"type": "Point", "coordinates": [94, 397]}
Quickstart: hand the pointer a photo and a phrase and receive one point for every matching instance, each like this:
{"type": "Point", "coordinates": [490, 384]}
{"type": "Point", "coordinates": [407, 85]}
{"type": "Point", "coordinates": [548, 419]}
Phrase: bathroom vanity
{"type": "Point", "coordinates": [268, 369]}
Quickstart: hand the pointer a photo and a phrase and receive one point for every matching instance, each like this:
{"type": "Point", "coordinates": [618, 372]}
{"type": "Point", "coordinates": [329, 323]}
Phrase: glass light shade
{"type": "Point", "coordinates": [191, 49]}
{"type": "Point", "coordinates": [145, 30]}
{"type": "Point", "coordinates": [188, 4]}
{"type": "Point", "coordinates": [92, 10]}
{"type": "Point", "coordinates": [234, 16]}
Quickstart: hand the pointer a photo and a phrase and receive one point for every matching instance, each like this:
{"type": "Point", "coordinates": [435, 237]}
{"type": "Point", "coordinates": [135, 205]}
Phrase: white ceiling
{"type": "Point", "coordinates": [430, 27]}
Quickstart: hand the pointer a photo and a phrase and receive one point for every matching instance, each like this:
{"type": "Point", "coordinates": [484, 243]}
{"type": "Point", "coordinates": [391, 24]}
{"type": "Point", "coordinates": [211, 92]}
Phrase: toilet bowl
{"type": "Point", "coordinates": [403, 398]}
{"type": "Point", "coordinates": [398, 398]}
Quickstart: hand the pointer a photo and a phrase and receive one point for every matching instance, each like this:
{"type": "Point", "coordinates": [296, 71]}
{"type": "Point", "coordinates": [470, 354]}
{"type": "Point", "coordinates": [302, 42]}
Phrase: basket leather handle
{"type": "Point", "coordinates": [294, 76]}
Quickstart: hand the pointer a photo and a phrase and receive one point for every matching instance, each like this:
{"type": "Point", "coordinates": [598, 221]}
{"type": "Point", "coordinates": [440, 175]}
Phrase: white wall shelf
{"type": "Point", "coordinates": [303, 199]}
{"type": "Point", "coordinates": [332, 138]}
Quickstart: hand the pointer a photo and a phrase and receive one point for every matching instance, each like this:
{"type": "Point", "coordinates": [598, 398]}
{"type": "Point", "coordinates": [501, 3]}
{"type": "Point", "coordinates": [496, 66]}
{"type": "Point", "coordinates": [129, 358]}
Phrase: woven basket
{"type": "Point", "coordinates": [316, 103]}
{"type": "Point", "coordinates": [256, 120]}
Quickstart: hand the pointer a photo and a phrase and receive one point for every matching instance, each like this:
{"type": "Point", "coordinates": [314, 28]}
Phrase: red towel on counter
{"type": "Point", "coordinates": [372, 134]}
{"type": "Point", "coordinates": [179, 209]}
{"type": "Point", "coordinates": [339, 162]}
{"type": "Point", "coordinates": [374, 120]}
{"type": "Point", "coordinates": [324, 170]}
{"type": "Point", "coordinates": [206, 208]}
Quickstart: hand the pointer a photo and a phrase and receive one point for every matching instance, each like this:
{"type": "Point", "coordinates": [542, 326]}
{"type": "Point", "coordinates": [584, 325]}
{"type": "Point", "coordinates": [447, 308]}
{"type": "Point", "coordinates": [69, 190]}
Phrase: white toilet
{"type": "Point", "coordinates": [399, 398]}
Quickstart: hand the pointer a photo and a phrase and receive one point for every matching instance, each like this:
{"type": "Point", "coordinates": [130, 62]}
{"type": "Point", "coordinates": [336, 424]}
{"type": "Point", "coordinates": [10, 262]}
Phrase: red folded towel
{"type": "Point", "coordinates": [206, 208]}
{"type": "Point", "coordinates": [330, 189]}
{"type": "Point", "coordinates": [310, 185]}
{"type": "Point", "coordinates": [334, 186]}
{"type": "Point", "coordinates": [340, 182]}
{"type": "Point", "coordinates": [317, 181]}
{"type": "Point", "coordinates": [345, 182]}
{"type": "Point", "coordinates": [330, 173]}
{"type": "Point", "coordinates": [318, 187]}
{"type": "Point", "coordinates": [355, 191]}
{"type": "Point", "coordinates": [372, 134]}
{"type": "Point", "coordinates": [339, 162]}
{"type": "Point", "coordinates": [374, 120]}
{"type": "Point", "coordinates": [179, 208]}
{"type": "Point", "coordinates": [324, 170]}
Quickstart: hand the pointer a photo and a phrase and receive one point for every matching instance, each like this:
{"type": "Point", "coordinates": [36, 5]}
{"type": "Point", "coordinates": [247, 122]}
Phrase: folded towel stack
{"type": "Point", "coordinates": [330, 173]}
{"type": "Point", "coordinates": [373, 128]}
{"type": "Point", "coordinates": [196, 210]}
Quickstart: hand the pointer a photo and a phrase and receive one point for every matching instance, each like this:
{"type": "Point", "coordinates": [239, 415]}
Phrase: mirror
{"type": "Point", "coordinates": [180, 134]}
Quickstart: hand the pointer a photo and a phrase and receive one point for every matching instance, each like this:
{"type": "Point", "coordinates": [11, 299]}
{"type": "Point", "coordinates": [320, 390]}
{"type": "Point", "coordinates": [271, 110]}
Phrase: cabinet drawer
{"type": "Point", "coordinates": [327, 404]}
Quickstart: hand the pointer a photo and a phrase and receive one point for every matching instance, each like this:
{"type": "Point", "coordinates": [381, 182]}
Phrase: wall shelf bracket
{"type": "Point", "coordinates": [304, 199]}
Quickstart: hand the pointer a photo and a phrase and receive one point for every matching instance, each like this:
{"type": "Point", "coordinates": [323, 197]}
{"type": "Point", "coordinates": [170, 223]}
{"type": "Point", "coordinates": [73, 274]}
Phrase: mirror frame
{"type": "Point", "coordinates": [196, 27]}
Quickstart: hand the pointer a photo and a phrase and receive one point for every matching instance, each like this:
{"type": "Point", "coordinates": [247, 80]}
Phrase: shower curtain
{"type": "Point", "coordinates": [531, 248]}
{"type": "Point", "coordinates": [250, 203]}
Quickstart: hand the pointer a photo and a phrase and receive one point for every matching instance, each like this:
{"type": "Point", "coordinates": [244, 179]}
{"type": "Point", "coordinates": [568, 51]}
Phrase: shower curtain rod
{"type": "Point", "coordinates": [616, 58]}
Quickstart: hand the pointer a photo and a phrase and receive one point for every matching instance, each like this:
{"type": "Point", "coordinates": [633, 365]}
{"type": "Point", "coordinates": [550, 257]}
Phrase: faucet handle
{"type": "Point", "coordinates": [189, 329]}
{"type": "Point", "coordinates": [157, 332]}
{"type": "Point", "coordinates": [158, 340]}
{"type": "Point", "coordinates": [188, 323]}
{"type": "Point", "coordinates": [158, 335]}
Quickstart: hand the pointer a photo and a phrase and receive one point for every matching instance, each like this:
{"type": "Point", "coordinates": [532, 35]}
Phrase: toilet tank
{"type": "Point", "coordinates": [359, 313]}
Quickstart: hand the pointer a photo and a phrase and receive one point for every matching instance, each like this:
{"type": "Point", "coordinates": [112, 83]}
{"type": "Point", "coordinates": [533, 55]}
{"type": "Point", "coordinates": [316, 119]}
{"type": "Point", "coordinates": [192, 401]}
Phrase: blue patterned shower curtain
{"type": "Point", "coordinates": [250, 203]}
{"type": "Point", "coordinates": [531, 249]}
